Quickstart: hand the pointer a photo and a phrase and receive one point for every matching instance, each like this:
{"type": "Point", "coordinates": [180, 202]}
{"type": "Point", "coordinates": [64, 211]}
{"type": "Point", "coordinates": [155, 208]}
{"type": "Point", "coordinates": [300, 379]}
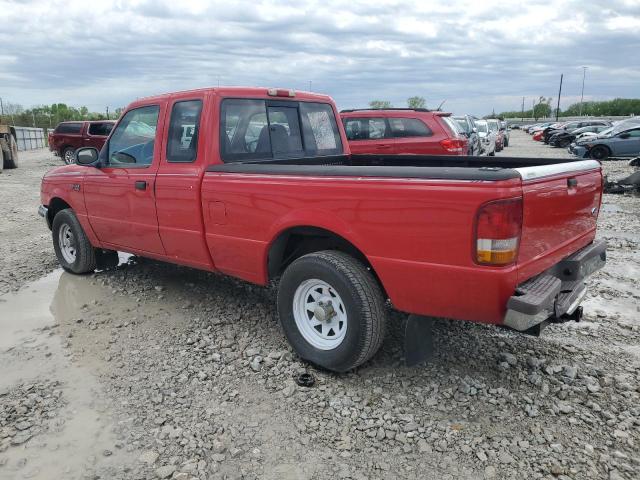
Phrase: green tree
{"type": "Point", "coordinates": [380, 104]}
{"type": "Point", "coordinates": [416, 102]}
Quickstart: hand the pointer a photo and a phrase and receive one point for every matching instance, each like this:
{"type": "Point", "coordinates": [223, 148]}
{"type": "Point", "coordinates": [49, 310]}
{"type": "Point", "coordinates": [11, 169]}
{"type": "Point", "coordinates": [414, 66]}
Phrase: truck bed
{"type": "Point", "coordinates": [407, 166]}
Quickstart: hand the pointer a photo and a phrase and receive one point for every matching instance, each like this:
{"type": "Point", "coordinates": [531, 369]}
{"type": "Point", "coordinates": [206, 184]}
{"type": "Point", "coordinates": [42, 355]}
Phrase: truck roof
{"type": "Point", "coordinates": [254, 92]}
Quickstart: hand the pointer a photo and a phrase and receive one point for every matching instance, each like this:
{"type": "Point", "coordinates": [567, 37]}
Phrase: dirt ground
{"type": "Point", "coordinates": [151, 370]}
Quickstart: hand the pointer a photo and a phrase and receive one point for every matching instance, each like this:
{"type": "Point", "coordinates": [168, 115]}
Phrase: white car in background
{"type": "Point", "coordinates": [487, 138]}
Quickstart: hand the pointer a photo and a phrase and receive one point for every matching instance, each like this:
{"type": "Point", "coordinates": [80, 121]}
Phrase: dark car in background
{"type": "Point", "coordinates": [570, 127]}
{"type": "Point", "coordinates": [69, 136]}
{"type": "Point", "coordinates": [468, 126]}
{"type": "Point", "coordinates": [564, 138]}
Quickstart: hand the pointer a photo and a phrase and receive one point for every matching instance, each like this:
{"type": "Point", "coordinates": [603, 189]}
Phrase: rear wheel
{"type": "Point", "coordinates": [599, 152]}
{"type": "Point", "coordinates": [68, 155]}
{"type": "Point", "coordinates": [73, 249]}
{"type": "Point", "coordinates": [332, 310]}
{"type": "Point", "coordinates": [10, 152]}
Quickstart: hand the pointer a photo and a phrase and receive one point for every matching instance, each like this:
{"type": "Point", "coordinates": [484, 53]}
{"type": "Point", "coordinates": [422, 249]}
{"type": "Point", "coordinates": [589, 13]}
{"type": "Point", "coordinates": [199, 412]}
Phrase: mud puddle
{"type": "Point", "coordinates": [64, 428]}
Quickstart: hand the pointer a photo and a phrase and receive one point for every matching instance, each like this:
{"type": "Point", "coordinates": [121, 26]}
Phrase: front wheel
{"type": "Point", "coordinates": [599, 152]}
{"type": "Point", "coordinates": [73, 249]}
{"type": "Point", "coordinates": [332, 310]}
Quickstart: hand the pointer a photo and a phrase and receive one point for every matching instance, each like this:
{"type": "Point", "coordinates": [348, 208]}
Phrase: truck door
{"type": "Point", "coordinates": [119, 196]}
{"type": "Point", "coordinates": [178, 195]}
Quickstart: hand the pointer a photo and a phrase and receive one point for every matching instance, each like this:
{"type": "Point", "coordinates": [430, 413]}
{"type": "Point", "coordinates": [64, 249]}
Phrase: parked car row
{"type": "Point", "coordinates": [403, 131]}
{"type": "Point", "coordinates": [593, 138]}
{"type": "Point", "coordinates": [422, 132]}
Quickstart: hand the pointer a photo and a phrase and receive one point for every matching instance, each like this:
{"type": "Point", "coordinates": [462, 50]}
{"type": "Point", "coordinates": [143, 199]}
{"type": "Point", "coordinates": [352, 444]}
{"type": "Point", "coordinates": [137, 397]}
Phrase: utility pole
{"type": "Point", "coordinates": [1, 110]}
{"type": "Point", "coordinates": [584, 73]}
{"type": "Point", "coordinates": [559, 95]}
{"type": "Point", "coordinates": [523, 109]}
{"type": "Point", "coordinates": [33, 115]}
{"type": "Point", "coordinates": [533, 108]}
{"type": "Point", "coordinates": [107, 112]}
{"type": "Point", "coordinates": [310, 85]}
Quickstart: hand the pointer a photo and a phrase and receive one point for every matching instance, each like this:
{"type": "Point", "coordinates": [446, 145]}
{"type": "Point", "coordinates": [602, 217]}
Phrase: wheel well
{"type": "Point", "coordinates": [55, 205]}
{"type": "Point", "coordinates": [606, 147]}
{"type": "Point", "coordinates": [298, 241]}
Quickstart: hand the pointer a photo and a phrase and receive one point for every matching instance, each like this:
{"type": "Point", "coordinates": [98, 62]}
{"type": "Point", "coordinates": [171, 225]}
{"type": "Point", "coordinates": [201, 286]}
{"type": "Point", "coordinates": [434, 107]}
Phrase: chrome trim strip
{"type": "Point", "coordinates": [532, 173]}
{"type": "Point", "coordinates": [576, 303]}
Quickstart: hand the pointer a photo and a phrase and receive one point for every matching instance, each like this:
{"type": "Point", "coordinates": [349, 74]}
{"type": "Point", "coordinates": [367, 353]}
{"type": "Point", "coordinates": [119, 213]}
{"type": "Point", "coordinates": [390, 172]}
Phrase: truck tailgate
{"type": "Point", "coordinates": [560, 209]}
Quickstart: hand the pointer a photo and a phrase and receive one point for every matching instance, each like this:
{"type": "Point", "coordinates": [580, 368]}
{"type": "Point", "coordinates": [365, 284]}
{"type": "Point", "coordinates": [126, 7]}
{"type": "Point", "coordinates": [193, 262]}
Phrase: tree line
{"type": "Point", "coordinates": [621, 107]}
{"type": "Point", "coordinates": [48, 116]}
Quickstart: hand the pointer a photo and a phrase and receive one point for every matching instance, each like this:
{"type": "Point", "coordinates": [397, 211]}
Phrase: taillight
{"type": "Point", "coordinates": [454, 145]}
{"type": "Point", "coordinates": [498, 229]}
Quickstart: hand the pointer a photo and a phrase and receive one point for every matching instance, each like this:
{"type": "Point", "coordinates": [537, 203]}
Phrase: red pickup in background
{"type": "Point", "coordinates": [260, 184]}
{"type": "Point", "coordinates": [69, 136]}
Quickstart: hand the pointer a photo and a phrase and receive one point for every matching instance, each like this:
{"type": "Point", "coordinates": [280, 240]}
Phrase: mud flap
{"type": "Point", "coordinates": [418, 340]}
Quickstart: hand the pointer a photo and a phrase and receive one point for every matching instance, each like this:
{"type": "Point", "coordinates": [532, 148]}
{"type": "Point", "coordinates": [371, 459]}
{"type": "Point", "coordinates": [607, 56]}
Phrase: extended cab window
{"type": "Point", "coordinates": [259, 129]}
{"type": "Point", "coordinates": [365, 128]}
{"type": "Point", "coordinates": [69, 128]}
{"type": "Point", "coordinates": [100, 129]}
{"type": "Point", "coordinates": [409, 127]}
{"type": "Point", "coordinates": [133, 140]}
{"type": "Point", "coordinates": [182, 145]}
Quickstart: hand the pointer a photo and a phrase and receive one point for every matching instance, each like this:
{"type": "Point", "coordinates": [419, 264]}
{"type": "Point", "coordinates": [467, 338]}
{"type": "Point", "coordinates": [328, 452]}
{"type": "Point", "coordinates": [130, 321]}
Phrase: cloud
{"type": "Point", "coordinates": [478, 55]}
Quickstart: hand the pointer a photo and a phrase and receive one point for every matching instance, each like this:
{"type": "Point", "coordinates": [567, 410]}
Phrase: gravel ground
{"type": "Point", "coordinates": [152, 370]}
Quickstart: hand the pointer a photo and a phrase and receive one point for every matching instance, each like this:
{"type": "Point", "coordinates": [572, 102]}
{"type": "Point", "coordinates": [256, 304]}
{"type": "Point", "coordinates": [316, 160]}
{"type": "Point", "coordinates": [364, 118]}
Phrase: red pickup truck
{"type": "Point", "coordinates": [260, 184]}
{"type": "Point", "coordinates": [69, 136]}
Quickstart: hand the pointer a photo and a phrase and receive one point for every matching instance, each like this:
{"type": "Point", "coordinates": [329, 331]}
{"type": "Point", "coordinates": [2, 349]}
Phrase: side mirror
{"type": "Point", "coordinates": [87, 156]}
{"type": "Point", "coordinates": [474, 130]}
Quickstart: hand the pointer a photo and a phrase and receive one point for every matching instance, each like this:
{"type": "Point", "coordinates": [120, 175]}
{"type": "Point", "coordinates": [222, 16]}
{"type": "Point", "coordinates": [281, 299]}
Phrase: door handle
{"type": "Point", "coordinates": [383, 147]}
{"type": "Point", "coordinates": [572, 182]}
{"type": "Point", "coordinates": [141, 185]}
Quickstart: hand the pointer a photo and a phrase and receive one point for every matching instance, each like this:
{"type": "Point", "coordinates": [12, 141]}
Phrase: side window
{"type": "Point", "coordinates": [133, 140]}
{"type": "Point", "coordinates": [182, 144]}
{"type": "Point", "coordinates": [69, 128]}
{"type": "Point", "coordinates": [409, 127]}
{"type": "Point", "coordinates": [634, 133]}
{"type": "Point", "coordinates": [100, 129]}
{"type": "Point", "coordinates": [366, 128]}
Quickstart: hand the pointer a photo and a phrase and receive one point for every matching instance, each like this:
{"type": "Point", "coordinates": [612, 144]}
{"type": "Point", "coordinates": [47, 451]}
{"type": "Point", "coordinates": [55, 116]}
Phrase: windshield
{"type": "Point", "coordinates": [462, 123]}
{"type": "Point", "coordinates": [453, 125]}
{"type": "Point", "coordinates": [481, 125]}
{"type": "Point", "coordinates": [493, 125]}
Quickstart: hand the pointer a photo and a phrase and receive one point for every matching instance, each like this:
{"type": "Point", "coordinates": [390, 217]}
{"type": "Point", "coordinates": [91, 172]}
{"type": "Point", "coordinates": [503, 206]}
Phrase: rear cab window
{"type": "Point", "coordinates": [256, 129]}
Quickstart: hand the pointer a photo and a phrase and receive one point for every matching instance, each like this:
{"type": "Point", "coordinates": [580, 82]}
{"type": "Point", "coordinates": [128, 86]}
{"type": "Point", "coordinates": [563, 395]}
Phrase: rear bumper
{"type": "Point", "coordinates": [556, 292]}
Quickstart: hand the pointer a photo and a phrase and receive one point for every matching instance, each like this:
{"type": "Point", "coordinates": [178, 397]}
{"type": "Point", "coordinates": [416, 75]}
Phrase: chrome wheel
{"type": "Point", "coordinates": [69, 156]}
{"type": "Point", "coordinates": [320, 314]}
{"type": "Point", "coordinates": [67, 243]}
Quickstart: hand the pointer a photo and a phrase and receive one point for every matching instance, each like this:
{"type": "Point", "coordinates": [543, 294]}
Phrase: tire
{"type": "Point", "coordinates": [506, 142]}
{"type": "Point", "coordinates": [1, 160]}
{"type": "Point", "coordinates": [492, 154]}
{"type": "Point", "coordinates": [10, 152]}
{"type": "Point", "coordinates": [78, 255]}
{"type": "Point", "coordinates": [599, 152]}
{"type": "Point", "coordinates": [358, 322]}
{"type": "Point", "coordinates": [564, 143]}
{"type": "Point", "coordinates": [68, 155]}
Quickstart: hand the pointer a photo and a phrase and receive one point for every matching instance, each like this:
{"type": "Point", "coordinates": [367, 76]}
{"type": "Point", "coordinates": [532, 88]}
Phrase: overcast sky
{"type": "Point", "coordinates": [478, 55]}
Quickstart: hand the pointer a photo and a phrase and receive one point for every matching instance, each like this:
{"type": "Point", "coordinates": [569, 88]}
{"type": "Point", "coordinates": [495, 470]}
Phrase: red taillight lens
{"type": "Point", "coordinates": [453, 145]}
{"type": "Point", "coordinates": [498, 229]}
